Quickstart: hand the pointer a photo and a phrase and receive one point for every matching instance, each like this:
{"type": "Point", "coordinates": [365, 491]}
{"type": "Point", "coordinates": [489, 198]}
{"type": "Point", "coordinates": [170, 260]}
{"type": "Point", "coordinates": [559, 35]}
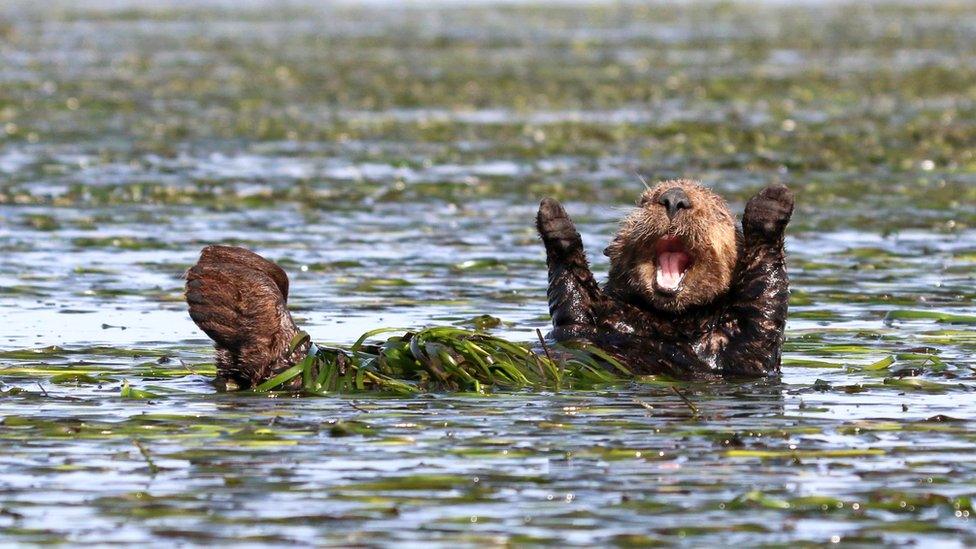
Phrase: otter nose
{"type": "Point", "coordinates": [673, 200]}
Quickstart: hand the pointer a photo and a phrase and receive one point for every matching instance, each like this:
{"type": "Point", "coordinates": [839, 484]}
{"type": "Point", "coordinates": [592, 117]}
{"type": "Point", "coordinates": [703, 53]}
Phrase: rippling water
{"type": "Point", "coordinates": [391, 160]}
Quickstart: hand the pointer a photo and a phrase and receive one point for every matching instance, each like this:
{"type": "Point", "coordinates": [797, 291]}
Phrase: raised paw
{"type": "Point", "coordinates": [768, 213]}
{"type": "Point", "coordinates": [557, 229]}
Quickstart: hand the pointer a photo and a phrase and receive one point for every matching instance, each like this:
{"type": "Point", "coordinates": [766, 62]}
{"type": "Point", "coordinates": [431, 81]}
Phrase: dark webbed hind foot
{"type": "Point", "coordinates": [238, 298]}
{"type": "Point", "coordinates": [768, 213]}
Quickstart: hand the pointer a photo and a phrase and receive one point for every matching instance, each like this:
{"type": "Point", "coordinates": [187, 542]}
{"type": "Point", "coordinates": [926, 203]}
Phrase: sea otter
{"type": "Point", "coordinates": [688, 294]}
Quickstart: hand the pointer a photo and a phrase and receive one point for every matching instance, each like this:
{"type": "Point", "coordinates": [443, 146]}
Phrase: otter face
{"type": "Point", "coordinates": [677, 249]}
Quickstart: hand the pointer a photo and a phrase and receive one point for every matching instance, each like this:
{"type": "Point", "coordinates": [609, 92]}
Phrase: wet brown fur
{"type": "Point", "coordinates": [707, 230]}
{"type": "Point", "coordinates": [239, 299]}
{"type": "Point", "coordinates": [727, 319]}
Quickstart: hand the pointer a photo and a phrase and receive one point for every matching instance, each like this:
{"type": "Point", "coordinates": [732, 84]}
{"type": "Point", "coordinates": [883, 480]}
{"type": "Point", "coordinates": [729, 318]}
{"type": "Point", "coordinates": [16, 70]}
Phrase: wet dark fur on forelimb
{"type": "Point", "coordinates": [727, 316]}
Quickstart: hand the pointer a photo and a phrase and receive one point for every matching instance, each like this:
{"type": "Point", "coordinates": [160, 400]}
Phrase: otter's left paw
{"type": "Point", "coordinates": [768, 213]}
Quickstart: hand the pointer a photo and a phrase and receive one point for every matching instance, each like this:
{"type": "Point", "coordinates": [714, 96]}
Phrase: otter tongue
{"type": "Point", "coordinates": [670, 267]}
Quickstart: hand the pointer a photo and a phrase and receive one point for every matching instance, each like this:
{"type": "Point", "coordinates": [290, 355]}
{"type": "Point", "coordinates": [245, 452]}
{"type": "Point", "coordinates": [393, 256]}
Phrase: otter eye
{"type": "Point", "coordinates": [644, 200]}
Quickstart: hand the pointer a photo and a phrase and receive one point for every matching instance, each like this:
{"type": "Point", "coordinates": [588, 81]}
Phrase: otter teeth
{"type": "Point", "coordinates": [671, 268]}
{"type": "Point", "coordinates": [673, 261]}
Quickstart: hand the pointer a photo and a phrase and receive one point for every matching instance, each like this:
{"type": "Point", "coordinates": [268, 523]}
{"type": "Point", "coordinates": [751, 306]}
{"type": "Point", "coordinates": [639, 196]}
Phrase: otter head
{"type": "Point", "coordinates": [678, 249]}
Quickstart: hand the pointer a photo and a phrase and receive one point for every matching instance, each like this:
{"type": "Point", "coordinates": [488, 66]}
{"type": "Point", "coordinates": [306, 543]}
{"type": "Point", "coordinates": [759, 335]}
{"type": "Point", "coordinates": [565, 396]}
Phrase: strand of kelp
{"type": "Point", "coordinates": [444, 358]}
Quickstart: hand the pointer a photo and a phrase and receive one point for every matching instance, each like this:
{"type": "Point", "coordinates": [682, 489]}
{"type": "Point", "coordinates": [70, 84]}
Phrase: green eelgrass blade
{"type": "Point", "coordinates": [362, 339]}
{"type": "Point", "coordinates": [283, 377]}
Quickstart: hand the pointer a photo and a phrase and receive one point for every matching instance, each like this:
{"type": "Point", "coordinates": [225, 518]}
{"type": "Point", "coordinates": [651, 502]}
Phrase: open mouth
{"type": "Point", "coordinates": [673, 262]}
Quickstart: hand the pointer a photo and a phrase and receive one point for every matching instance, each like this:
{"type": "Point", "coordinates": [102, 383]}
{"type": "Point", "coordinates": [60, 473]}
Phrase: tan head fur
{"type": "Point", "coordinates": [677, 249]}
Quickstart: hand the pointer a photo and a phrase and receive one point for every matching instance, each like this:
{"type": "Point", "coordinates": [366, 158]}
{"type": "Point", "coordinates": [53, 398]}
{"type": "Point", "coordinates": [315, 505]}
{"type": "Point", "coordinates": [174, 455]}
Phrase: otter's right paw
{"type": "Point", "coordinates": [557, 229]}
{"type": "Point", "coordinates": [768, 213]}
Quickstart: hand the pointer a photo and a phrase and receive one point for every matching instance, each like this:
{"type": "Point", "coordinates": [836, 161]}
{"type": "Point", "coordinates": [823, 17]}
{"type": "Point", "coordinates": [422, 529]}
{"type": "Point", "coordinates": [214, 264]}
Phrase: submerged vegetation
{"type": "Point", "coordinates": [391, 161]}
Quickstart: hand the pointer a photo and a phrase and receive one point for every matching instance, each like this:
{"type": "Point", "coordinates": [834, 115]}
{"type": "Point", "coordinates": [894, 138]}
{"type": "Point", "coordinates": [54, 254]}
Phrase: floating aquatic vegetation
{"type": "Point", "coordinates": [444, 358]}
